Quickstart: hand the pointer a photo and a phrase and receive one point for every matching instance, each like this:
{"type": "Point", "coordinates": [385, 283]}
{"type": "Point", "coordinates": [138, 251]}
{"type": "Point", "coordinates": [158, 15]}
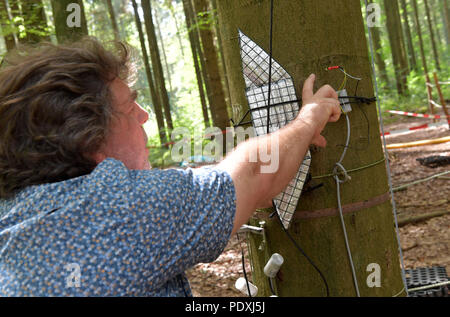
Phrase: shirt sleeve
{"type": "Point", "coordinates": [186, 217]}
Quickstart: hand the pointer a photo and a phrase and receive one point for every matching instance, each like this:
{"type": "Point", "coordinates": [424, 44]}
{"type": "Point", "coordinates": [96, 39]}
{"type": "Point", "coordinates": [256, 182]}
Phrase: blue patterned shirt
{"type": "Point", "coordinates": [114, 232]}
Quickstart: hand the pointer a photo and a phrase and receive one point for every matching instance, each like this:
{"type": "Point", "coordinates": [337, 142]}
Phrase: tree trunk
{"type": "Point", "coordinates": [396, 41]}
{"type": "Point", "coordinates": [433, 42]}
{"type": "Point", "coordinates": [174, 16]}
{"type": "Point", "coordinates": [198, 74]}
{"type": "Point", "coordinates": [223, 70]}
{"type": "Point", "coordinates": [216, 96]}
{"type": "Point", "coordinates": [163, 50]}
{"type": "Point", "coordinates": [7, 26]}
{"type": "Point", "coordinates": [446, 15]}
{"type": "Point", "coordinates": [69, 25]}
{"type": "Point", "coordinates": [307, 39]}
{"type": "Point", "coordinates": [419, 33]}
{"type": "Point", "coordinates": [155, 98]}
{"type": "Point", "coordinates": [156, 62]}
{"type": "Point", "coordinates": [112, 16]}
{"type": "Point", "coordinates": [412, 54]}
{"type": "Point", "coordinates": [379, 59]}
{"type": "Point", "coordinates": [35, 21]}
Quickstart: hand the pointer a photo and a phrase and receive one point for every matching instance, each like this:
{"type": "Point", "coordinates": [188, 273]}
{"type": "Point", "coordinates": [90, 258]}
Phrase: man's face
{"type": "Point", "coordinates": [127, 139]}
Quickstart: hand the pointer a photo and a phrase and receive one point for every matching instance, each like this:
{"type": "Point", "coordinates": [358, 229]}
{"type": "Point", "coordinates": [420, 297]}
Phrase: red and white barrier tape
{"type": "Point", "coordinates": [418, 115]}
{"type": "Point", "coordinates": [422, 126]}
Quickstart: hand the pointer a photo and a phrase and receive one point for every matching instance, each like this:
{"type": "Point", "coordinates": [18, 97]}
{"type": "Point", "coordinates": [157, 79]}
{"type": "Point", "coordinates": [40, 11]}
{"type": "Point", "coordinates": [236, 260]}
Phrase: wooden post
{"type": "Point", "coordinates": [441, 97]}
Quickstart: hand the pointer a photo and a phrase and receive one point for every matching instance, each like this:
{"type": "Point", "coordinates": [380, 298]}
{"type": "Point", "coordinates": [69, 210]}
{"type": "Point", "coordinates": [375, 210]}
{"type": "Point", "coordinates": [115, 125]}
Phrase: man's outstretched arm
{"type": "Point", "coordinates": [254, 187]}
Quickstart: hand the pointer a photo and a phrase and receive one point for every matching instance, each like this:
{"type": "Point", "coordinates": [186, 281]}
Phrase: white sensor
{"type": "Point", "coordinates": [273, 265]}
{"type": "Point", "coordinates": [241, 285]}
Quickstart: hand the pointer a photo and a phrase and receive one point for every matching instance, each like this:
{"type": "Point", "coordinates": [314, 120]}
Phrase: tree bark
{"type": "Point", "coordinates": [412, 54]}
{"type": "Point", "coordinates": [188, 13]}
{"type": "Point", "coordinates": [35, 21]}
{"type": "Point", "coordinates": [433, 42]}
{"type": "Point", "coordinates": [396, 41]}
{"type": "Point", "coordinates": [65, 32]}
{"type": "Point", "coordinates": [309, 36]}
{"type": "Point", "coordinates": [216, 95]}
{"type": "Point", "coordinates": [156, 62]}
{"type": "Point", "coordinates": [155, 98]}
{"type": "Point", "coordinates": [112, 16]}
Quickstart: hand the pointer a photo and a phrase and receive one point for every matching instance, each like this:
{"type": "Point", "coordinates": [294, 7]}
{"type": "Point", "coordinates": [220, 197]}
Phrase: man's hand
{"type": "Point", "coordinates": [318, 108]}
{"type": "Point", "coordinates": [254, 188]}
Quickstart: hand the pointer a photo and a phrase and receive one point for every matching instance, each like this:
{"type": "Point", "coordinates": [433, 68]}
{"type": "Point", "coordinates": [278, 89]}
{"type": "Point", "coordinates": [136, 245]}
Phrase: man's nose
{"type": "Point", "coordinates": [142, 114]}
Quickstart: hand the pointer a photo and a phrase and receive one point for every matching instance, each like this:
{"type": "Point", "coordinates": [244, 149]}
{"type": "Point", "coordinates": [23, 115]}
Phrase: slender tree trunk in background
{"type": "Point", "coordinates": [156, 62]}
{"type": "Point", "coordinates": [307, 39]}
{"type": "Point", "coordinates": [7, 26]}
{"type": "Point", "coordinates": [412, 54]}
{"type": "Point", "coordinates": [163, 51]}
{"type": "Point", "coordinates": [222, 59]}
{"type": "Point", "coordinates": [216, 98]}
{"type": "Point", "coordinates": [379, 59]}
{"type": "Point", "coordinates": [446, 15]}
{"type": "Point", "coordinates": [65, 32]}
{"type": "Point", "coordinates": [174, 16]}
{"type": "Point", "coordinates": [198, 48]}
{"type": "Point", "coordinates": [155, 98]}
{"type": "Point", "coordinates": [434, 9]}
{"type": "Point", "coordinates": [198, 73]}
{"type": "Point", "coordinates": [112, 16]}
{"type": "Point", "coordinates": [35, 21]}
{"type": "Point", "coordinates": [419, 34]}
{"type": "Point", "coordinates": [433, 42]}
{"type": "Point", "coordinates": [422, 55]}
{"type": "Point", "coordinates": [397, 44]}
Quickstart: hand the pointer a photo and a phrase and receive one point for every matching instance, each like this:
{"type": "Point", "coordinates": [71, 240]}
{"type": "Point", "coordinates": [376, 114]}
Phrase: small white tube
{"type": "Point", "coordinates": [241, 285]}
{"type": "Point", "coordinates": [273, 265]}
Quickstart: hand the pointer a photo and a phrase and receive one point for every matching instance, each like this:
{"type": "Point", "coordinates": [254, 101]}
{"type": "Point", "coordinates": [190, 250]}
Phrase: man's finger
{"type": "Point", "coordinates": [327, 91]}
{"type": "Point", "coordinates": [308, 85]}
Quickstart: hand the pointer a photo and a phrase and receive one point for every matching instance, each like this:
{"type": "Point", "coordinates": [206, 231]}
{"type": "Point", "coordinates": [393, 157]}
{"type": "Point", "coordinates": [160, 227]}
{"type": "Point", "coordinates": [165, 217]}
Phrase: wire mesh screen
{"type": "Point", "coordinates": [282, 109]}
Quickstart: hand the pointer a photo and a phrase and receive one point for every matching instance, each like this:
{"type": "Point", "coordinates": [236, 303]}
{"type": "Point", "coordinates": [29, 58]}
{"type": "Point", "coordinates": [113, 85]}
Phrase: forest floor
{"type": "Point", "coordinates": [425, 243]}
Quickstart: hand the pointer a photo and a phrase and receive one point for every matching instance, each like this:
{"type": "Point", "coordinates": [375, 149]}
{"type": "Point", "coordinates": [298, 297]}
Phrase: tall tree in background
{"type": "Point", "coordinates": [379, 59]}
{"type": "Point", "coordinates": [397, 44]}
{"type": "Point", "coordinates": [191, 33]}
{"type": "Point", "coordinates": [163, 50]}
{"type": "Point", "coordinates": [419, 34]}
{"type": "Point", "coordinates": [174, 16]}
{"type": "Point", "coordinates": [7, 26]}
{"type": "Point", "coordinates": [307, 39]}
{"type": "Point", "coordinates": [69, 19]}
{"type": "Point", "coordinates": [156, 62]}
{"type": "Point", "coordinates": [433, 42]}
{"type": "Point", "coordinates": [411, 53]}
{"type": "Point", "coordinates": [153, 93]}
{"type": "Point", "coordinates": [216, 96]}
{"type": "Point", "coordinates": [446, 15]}
{"type": "Point", "coordinates": [112, 16]}
{"type": "Point", "coordinates": [35, 21]}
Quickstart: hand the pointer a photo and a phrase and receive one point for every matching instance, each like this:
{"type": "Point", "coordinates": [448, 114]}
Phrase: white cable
{"type": "Point", "coordinates": [338, 181]}
{"type": "Point", "coordinates": [387, 159]}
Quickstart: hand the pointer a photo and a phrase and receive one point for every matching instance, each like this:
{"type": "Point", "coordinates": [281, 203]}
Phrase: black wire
{"type": "Point", "coordinates": [270, 64]}
{"type": "Point", "coordinates": [302, 252]}
{"type": "Point", "coordinates": [243, 267]}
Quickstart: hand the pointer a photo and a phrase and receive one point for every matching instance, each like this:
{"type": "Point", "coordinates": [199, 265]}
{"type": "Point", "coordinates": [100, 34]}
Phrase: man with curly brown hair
{"type": "Point", "coordinates": [81, 211]}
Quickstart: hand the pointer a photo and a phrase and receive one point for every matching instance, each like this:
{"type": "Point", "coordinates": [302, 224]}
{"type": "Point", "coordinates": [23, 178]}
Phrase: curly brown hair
{"type": "Point", "coordinates": [55, 110]}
